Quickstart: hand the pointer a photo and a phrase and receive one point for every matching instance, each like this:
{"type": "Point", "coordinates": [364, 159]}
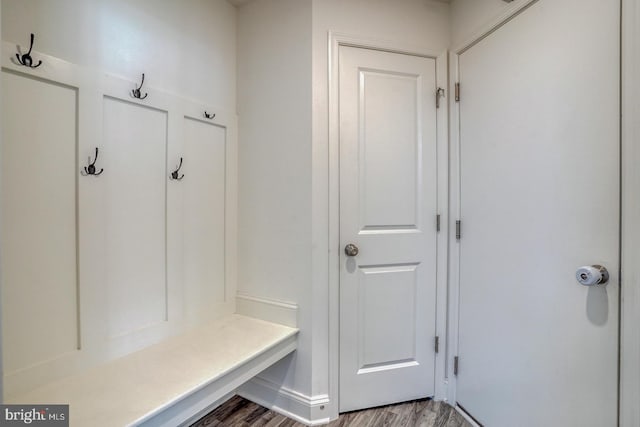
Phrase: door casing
{"type": "Point", "coordinates": [630, 228]}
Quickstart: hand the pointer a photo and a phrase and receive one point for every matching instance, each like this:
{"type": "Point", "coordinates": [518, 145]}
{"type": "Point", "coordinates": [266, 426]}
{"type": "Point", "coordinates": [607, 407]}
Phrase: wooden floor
{"type": "Point", "coordinates": [423, 413]}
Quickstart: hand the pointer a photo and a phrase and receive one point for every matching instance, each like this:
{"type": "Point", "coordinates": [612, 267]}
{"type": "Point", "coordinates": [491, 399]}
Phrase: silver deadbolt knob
{"type": "Point", "coordinates": [351, 250]}
{"type": "Point", "coordinates": [591, 275]}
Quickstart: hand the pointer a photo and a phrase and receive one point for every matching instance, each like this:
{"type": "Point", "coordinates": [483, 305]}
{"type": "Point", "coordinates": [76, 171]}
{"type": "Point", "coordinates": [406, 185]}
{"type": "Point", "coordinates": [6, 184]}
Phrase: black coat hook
{"type": "Point", "coordinates": [209, 116]}
{"type": "Point", "coordinates": [136, 92]}
{"type": "Point", "coordinates": [174, 175]}
{"type": "Point", "coordinates": [91, 169]}
{"type": "Point", "coordinates": [26, 59]}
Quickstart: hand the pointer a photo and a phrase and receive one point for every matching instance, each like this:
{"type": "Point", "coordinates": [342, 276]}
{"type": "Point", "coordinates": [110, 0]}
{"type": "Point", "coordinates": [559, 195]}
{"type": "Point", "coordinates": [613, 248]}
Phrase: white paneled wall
{"type": "Point", "coordinates": [95, 267]}
{"type": "Point", "coordinates": [204, 216]}
{"type": "Point", "coordinates": [39, 246]}
{"type": "Point", "coordinates": [135, 138]}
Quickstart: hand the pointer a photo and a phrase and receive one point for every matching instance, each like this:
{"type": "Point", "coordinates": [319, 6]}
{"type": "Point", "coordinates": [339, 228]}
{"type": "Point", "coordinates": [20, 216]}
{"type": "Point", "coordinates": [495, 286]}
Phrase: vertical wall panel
{"type": "Point", "coordinates": [135, 150]}
{"type": "Point", "coordinates": [204, 213]}
{"type": "Point", "coordinates": [39, 250]}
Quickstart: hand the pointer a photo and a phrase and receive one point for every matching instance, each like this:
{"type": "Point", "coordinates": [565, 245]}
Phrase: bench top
{"type": "Point", "coordinates": [133, 388]}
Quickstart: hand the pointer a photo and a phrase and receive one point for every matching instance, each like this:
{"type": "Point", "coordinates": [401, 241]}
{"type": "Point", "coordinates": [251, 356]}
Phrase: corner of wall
{"type": "Point", "coordinates": [309, 410]}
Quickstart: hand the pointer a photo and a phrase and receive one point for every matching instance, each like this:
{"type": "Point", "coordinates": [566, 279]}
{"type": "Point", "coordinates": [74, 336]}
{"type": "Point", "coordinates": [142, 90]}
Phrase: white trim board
{"type": "Point", "coordinates": [275, 311]}
{"type": "Point", "coordinates": [454, 213]}
{"type": "Point", "coordinates": [335, 40]}
{"type": "Point", "coordinates": [629, 415]}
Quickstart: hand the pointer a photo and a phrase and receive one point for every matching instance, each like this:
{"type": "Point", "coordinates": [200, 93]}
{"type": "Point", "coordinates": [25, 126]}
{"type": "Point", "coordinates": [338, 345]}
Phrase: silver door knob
{"type": "Point", "coordinates": [590, 275]}
{"type": "Point", "coordinates": [351, 250]}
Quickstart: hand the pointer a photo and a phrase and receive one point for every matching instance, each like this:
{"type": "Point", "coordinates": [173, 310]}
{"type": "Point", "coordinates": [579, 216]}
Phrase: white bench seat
{"type": "Point", "coordinates": [173, 382]}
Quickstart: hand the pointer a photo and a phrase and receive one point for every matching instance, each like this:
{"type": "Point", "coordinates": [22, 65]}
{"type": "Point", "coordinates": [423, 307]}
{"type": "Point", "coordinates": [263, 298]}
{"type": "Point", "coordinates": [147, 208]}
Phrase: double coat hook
{"type": "Point", "coordinates": [25, 59]}
{"type": "Point", "coordinates": [175, 175]}
{"type": "Point", "coordinates": [136, 93]}
{"type": "Point", "coordinates": [209, 116]}
{"type": "Point", "coordinates": [91, 168]}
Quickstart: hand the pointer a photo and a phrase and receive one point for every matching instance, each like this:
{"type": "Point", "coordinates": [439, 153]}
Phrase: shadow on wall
{"type": "Point", "coordinates": [598, 305]}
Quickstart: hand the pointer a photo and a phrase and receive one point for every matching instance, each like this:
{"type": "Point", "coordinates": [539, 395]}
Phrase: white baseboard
{"type": "Point", "coordinates": [275, 311]}
{"type": "Point", "coordinates": [309, 410]}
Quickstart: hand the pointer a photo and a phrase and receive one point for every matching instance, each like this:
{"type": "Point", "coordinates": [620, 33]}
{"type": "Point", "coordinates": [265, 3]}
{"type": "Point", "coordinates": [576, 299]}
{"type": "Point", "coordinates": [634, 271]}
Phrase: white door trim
{"type": "Point", "coordinates": [335, 41]}
{"type": "Point", "coordinates": [630, 228]}
{"type": "Point", "coordinates": [454, 214]}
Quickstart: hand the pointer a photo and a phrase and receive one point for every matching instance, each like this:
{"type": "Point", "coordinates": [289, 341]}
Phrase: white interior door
{"type": "Point", "coordinates": [388, 211]}
{"type": "Point", "coordinates": [539, 147]}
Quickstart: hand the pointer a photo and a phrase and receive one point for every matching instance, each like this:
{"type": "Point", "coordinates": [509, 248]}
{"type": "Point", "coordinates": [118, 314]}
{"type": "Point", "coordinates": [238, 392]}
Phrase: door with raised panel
{"type": "Point", "coordinates": [387, 227]}
{"type": "Point", "coordinates": [539, 141]}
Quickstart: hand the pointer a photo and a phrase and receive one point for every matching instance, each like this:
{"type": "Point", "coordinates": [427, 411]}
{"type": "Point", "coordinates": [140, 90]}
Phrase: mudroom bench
{"type": "Point", "coordinates": [174, 382]}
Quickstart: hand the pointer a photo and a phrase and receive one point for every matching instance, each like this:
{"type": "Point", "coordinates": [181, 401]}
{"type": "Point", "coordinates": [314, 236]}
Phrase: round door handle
{"type": "Point", "coordinates": [591, 275]}
{"type": "Point", "coordinates": [351, 250]}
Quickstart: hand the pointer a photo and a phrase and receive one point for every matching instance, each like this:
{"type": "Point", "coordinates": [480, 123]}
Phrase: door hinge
{"type": "Point", "coordinates": [458, 229]}
{"type": "Point", "coordinates": [457, 92]}
{"type": "Point", "coordinates": [438, 223]}
{"type": "Point", "coordinates": [455, 365]}
{"type": "Point", "coordinates": [436, 345]}
{"type": "Point", "coordinates": [439, 94]}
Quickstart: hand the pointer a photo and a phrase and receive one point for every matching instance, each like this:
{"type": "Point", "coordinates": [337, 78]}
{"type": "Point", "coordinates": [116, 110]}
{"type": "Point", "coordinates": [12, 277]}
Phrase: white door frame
{"type": "Point", "coordinates": [335, 41]}
{"type": "Point", "coordinates": [629, 411]}
{"type": "Point", "coordinates": [630, 229]}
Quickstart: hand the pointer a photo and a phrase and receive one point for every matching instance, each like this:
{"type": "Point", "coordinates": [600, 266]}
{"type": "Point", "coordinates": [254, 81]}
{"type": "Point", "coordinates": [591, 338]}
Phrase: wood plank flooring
{"type": "Point", "coordinates": [239, 412]}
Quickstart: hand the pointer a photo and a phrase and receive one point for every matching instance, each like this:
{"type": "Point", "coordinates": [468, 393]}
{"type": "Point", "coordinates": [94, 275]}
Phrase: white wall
{"type": "Point", "coordinates": [186, 47]}
{"type": "Point", "coordinates": [274, 223]}
{"type": "Point", "coordinates": [274, 106]}
{"type": "Point", "coordinates": [468, 17]}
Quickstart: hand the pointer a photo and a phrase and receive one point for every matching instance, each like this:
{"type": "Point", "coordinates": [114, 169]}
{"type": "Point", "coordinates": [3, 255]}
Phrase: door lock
{"type": "Point", "coordinates": [351, 250]}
